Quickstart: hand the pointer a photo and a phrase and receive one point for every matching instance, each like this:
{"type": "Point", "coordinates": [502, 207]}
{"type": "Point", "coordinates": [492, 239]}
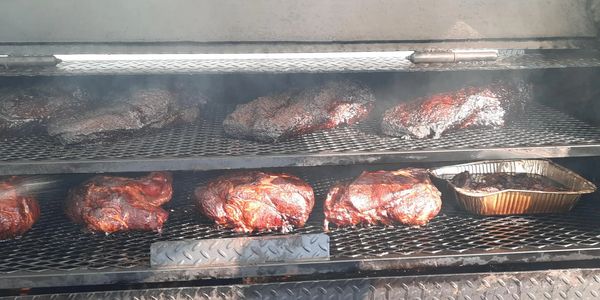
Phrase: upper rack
{"type": "Point", "coordinates": [546, 133]}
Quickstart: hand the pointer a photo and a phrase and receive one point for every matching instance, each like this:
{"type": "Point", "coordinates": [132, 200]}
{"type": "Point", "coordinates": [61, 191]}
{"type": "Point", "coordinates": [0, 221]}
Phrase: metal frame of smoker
{"type": "Point", "coordinates": [28, 28]}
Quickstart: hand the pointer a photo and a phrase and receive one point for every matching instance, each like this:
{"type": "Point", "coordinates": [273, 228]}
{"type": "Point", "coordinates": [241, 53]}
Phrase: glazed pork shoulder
{"type": "Point", "coordinates": [256, 201]}
{"type": "Point", "coordinates": [405, 196]}
{"type": "Point", "coordinates": [110, 204]}
{"type": "Point", "coordinates": [18, 212]}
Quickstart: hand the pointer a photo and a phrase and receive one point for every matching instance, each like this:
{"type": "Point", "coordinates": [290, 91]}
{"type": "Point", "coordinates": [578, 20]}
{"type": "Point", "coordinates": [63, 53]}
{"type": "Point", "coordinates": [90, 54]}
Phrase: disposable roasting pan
{"type": "Point", "coordinates": [512, 201]}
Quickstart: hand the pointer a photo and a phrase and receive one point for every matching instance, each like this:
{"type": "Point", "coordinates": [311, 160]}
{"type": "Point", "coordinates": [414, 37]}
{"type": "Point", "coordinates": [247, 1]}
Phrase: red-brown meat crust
{"type": "Point", "coordinates": [17, 212]}
{"type": "Point", "coordinates": [33, 106]}
{"type": "Point", "coordinates": [384, 197]}
{"type": "Point", "coordinates": [256, 201]}
{"type": "Point", "coordinates": [296, 112]}
{"type": "Point", "coordinates": [110, 204]}
{"type": "Point", "coordinates": [485, 106]}
{"type": "Point", "coordinates": [139, 109]}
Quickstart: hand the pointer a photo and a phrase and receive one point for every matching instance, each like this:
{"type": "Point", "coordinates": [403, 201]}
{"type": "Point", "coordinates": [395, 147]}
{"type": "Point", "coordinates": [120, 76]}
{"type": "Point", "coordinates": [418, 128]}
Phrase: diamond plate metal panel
{"type": "Point", "coordinates": [348, 62]}
{"type": "Point", "coordinates": [239, 251]}
{"type": "Point", "coordinates": [549, 284]}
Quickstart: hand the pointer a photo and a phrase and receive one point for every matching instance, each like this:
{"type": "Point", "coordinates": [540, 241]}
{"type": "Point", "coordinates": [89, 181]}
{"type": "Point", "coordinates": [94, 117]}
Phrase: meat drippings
{"type": "Point", "coordinates": [496, 182]}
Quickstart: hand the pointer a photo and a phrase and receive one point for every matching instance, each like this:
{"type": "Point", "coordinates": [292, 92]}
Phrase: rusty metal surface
{"type": "Point", "coordinates": [549, 284]}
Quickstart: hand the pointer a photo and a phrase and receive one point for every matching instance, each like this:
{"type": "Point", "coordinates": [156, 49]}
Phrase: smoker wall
{"type": "Point", "coordinates": [178, 23]}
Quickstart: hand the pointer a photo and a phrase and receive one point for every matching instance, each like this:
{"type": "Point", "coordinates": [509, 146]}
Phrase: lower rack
{"type": "Point", "coordinates": [56, 252]}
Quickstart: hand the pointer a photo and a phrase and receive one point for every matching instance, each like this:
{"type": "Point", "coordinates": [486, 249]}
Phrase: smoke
{"type": "Point", "coordinates": [34, 185]}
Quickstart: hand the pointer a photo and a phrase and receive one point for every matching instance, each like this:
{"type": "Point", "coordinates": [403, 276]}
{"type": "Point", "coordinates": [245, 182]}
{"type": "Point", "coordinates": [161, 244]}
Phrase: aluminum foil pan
{"type": "Point", "coordinates": [512, 201]}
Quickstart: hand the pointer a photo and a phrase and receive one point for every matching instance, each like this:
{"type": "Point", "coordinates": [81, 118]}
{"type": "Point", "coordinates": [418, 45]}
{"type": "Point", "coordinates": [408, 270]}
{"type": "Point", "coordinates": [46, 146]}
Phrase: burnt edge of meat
{"type": "Point", "coordinates": [296, 112]}
{"type": "Point", "coordinates": [24, 109]}
{"type": "Point", "coordinates": [18, 211]}
{"type": "Point", "coordinates": [137, 111]}
{"type": "Point", "coordinates": [405, 196]}
{"type": "Point", "coordinates": [256, 201]}
{"type": "Point", "coordinates": [114, 204]}
{"type": "Point", "coordinates": [425, 116]}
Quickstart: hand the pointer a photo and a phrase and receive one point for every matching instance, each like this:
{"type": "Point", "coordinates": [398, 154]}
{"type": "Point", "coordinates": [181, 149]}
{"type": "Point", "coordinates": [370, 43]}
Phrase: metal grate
{"type": "Point", "coordinates": [58, 249]}
{"type": "Point", "coordinates": [360, 62]}
{"type": "Point", "coordinates": [204, 146]}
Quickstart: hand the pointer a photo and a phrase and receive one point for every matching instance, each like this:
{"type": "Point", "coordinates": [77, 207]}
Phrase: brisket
{"type": "Point", "coordinates": [297, 112]}
{"type": "Point", "coordinates": [135, 110]}
{"type": "Point", "coordinates": [490, 106]}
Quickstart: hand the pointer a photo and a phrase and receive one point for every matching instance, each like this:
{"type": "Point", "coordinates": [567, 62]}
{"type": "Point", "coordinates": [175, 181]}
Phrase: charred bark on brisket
{"type": "Point", "coordinates": [297, 112]}
{"type": "Point", "coordinates": [136, 110]}
{"type": "Point", "coordinates": [492, 106]}
{"type": "Point", "coordinates": [31, 107]}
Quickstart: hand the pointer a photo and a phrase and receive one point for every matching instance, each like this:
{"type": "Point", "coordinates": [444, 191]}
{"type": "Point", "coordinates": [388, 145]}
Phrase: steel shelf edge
{"type": "Point", "coordinates": [577, 283]}
{"type": "Point", "coordinates": [148, 275]}
{"type": "Point", "coordinates": [377, 61]}
{"type": "Point", "coordinates": [205, 163]}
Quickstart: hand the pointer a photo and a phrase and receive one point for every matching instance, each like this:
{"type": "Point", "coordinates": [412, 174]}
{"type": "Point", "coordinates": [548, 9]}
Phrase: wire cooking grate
{"type": "Point", "coordinates": [55, 245]}
{"type": "Point", "coordinates": [206, 140]}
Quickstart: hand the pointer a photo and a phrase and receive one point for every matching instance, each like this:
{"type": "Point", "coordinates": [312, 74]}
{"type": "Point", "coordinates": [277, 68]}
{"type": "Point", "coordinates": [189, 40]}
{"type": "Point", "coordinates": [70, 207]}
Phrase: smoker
{"type": "Point", "coordinates": [232, 52]}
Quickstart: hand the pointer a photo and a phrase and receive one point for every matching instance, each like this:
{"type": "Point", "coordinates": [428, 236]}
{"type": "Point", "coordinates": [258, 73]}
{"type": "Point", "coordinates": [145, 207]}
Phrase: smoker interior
{"type": "Point", "coordinates": [553, 127]}
{"type": "Point", "coordinates": [55, 249]}
{"type": "Point", "coordinates": [564, 119]}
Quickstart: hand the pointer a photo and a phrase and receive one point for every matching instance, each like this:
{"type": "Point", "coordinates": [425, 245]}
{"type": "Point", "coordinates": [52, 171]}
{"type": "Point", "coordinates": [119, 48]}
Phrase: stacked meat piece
{"type": "Point", "coordinates": [72, 114]}
{"type": "Point", "coordinates": [297, 112]}
{"type": "Point", "coordinates": [135, 110]}
{"type": "Point", "coordinates": [32, 107]}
